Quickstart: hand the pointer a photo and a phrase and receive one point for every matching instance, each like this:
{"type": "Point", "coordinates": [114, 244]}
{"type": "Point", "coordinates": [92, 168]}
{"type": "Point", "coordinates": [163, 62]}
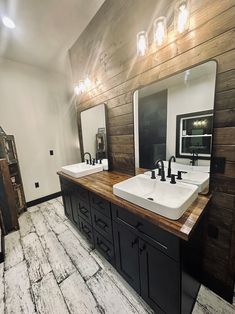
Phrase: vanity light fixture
{"type": "Point", "coordinates": [8, 22]}
{"type": "Point", "coordinates": [159, 30]}
{"type": "Point", "coordinates": [77, 90]}
{"type": "Point", "coordinates": [142, 43]}
{"type": "Point", "coordinates": [182, 11]}
{"type": "Point", "coordinates": [80, 88]}
{"type": "Point", "coordinates": [83, 86]}
{"type": "Point", "coordinates": [87, 83]}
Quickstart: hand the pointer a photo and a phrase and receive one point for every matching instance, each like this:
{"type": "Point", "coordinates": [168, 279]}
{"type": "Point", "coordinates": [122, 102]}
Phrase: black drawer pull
{"type": "Point", "coordinates": [83, 210]}
{"type": "Point", "coordinates": [86, 229]}
{"type": "Point", "coordinates": [133, 243]}
{"type": "Point", "coordinates": [103, 246]}
{"type": "Point", "coordinates": [138, 225]}
{"type": "Point", "coordinates": [100, 223]}
{"type": "Point", "coordinates": [142, 249]}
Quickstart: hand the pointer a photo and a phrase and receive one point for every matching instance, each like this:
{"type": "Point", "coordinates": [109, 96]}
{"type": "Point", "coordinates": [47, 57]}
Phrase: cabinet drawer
{"type": "Point", "coordinates": [104, 247]}
{"type": "Point", "coordinates": [84, 210]}
{"type": "Point", "coordinates": [100, 204]}
{"type": "Point", "coordinates": [82, 193]}
{"type": "Point", "coordinates": [86, 230]}
{"type": "Point", "coordinates": [163, 240]}
{"type": "Point", "coordinates": [102, 224]}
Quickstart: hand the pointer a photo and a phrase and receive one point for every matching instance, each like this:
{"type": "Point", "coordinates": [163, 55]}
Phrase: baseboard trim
{"type": "Point", "coordinates": [43, 199]}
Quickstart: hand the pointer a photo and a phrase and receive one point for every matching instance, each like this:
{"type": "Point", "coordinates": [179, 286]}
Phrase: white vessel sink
{"type": "Point", "coordinates": [163, 198]}
{"type": "Point", "coordinates": [201, 179]}
{"type": "Point", "coordinates": [81, 169]}
{"type": "Point", "coordinates": [177, 166]}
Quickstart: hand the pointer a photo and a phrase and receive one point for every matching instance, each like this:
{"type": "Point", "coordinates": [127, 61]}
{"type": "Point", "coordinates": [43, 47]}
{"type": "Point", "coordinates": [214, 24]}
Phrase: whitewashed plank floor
{"type": "Point", "coordinates": [50, 268]}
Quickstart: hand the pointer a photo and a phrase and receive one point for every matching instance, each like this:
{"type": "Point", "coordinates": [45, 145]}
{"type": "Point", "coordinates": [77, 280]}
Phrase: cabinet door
{"type": "Point", "coordinates": [127, 254]}
{"type": "Point", "coordinates": [67, 205]}
{"type": "Point", "coordinates": [160, 279]}
{"type": "Point", "coordinates": [66, 196]}
{"type": "Point", "coordinates": [74, 207]}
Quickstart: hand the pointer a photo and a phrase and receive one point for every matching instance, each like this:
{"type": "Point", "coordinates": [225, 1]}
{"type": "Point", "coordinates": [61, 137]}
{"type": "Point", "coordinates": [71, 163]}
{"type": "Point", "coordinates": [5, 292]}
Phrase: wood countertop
{"type": "Point", "coordinates": [102, 183]}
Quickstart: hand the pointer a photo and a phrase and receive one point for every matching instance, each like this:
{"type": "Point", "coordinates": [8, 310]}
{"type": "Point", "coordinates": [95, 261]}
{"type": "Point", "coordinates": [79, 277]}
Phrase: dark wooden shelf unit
{"type": "Point", "coordinates": [8, 152]}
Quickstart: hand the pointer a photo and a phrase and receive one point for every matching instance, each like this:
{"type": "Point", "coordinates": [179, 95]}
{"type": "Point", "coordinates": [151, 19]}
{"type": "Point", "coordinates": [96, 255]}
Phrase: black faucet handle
{"type": "Point", "coordinates": [87, 161]}
{"type": "Point", "coordinates": [93, 161]}
{"type": "Point", "coordinates": [173, 178]}
{"type": "Point", "coordinates": [163, 178]}
{"type": "Point", "coordinates": [179, 174]}
{"type": "Point", "coordinates": [100, 161]}
{"type": "Point", "coordinates": [153, 175]}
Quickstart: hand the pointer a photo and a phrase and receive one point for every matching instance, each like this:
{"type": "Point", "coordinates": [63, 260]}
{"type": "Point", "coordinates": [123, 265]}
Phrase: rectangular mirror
{"type": "Point", "coordinates": [173, 117]}
{"type": "Point", "coordinates": [94, 137]}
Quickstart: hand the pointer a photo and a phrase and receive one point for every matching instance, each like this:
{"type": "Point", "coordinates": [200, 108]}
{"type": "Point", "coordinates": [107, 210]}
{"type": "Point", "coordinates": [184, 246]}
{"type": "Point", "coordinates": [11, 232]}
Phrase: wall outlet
{"type": "Point", "coordinates": [36, 185]}
{"type": "Point", "coordinates": [51, 152]}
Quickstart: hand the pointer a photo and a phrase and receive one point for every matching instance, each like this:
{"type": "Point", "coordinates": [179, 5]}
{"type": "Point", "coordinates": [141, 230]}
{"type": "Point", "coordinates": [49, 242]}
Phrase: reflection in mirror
{"type": "Point", "coordinates": [93, 125]}
{"type": "Point", "coordinates": [173, 117]}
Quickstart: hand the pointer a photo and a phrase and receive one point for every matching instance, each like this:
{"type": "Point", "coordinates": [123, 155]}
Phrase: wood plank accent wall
{"type": "Point", "coordinates": [106, 51]}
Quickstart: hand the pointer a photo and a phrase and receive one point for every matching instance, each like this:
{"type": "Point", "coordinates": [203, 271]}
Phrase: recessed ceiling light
{"type": "Point", "coordinates": [8, 22]}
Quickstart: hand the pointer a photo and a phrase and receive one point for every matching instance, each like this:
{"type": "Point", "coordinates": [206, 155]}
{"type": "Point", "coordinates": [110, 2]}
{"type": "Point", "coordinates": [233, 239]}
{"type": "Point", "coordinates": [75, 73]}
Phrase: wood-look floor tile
{"type": "Point", "coordinates": [87, 245]}
{"type": "Point", "coordinates": [107, 294]}
{"type": "Point", "coordinates": [133, 297]}
{"type": "Point", "coordinates": [48, 297]}
{"type": "Point", "coordinates": [36, 259]}
{"type": "Point", "coordinates": [13, 250]}
{"type": "Point", "coordinates": [59, 260]}
{"type": "Point", "coordinates": [84, 262]}
{"type": "Point", "coordinates": [212, 303]}
{"type": "Point", "coordinates": [67, 276]}
{"type": "Point", "coordinates": [32, 209]}
{"type": "Point", "coordinates": [59, 209]}
{"type": "Point", "coordinates": [17, 290]}
{"type": "Point", "coordinates": [54, 221]}
{"type": "Point", "coordinates": [26, 224]}
{"type": "Point", "coordinates": [59, 199]}
{"type": "Point", "coordinates": [2, 292]}
{"type": "Point", "coordinates": [78, 296]}
{"type": "Point", "coordinates": [39, 222]}
{"type": "Point", "coordinates": [200, 309]}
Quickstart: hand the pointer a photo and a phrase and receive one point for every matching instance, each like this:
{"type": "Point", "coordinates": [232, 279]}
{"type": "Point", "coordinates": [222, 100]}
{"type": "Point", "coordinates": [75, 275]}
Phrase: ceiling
{"type": "Point", "coordinates": [45, 30]}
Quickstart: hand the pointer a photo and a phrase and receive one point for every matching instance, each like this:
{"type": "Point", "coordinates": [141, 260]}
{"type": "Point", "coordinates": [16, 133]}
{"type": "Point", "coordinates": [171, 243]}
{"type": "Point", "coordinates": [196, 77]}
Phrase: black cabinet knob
{"type": "Point", "coordinates": [133, 243]}
{"type": "Point", "coordinates": [138, 225]}
{"type": "Point", "coordinates": [143, 248]}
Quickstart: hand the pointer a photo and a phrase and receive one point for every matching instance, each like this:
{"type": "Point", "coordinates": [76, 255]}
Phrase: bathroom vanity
{"type": "Point", "coordinates": [160, 258]}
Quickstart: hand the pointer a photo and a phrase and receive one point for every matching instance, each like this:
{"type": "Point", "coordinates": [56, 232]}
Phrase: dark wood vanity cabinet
{"type": "Point", "coordinates": [144, 261]}
{"type": "Point", "coordinates": [156, 263]}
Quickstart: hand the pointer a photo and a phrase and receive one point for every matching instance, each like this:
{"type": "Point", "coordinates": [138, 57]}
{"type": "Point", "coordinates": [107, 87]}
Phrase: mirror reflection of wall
{"type": "Point", "coordinates": [93, 123]}
{"type": "Point", "coordinates": [158, 107]}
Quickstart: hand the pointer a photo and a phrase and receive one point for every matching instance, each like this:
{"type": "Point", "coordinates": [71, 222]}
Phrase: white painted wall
{"type": "Point", "coordinates": [36, 106]}
{"type": "Point", "coordinates": [92, 119]}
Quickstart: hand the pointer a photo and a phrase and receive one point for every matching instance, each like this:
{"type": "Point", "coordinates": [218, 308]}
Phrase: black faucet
{"type": "Point", "coordinates": [194, 158]}
{"type": "Point", "coordinates": [169, 166]}
{"type": "Point", "coordinates": [89, 157]}
{"type": "Point", "coordinates": [162, 169]}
